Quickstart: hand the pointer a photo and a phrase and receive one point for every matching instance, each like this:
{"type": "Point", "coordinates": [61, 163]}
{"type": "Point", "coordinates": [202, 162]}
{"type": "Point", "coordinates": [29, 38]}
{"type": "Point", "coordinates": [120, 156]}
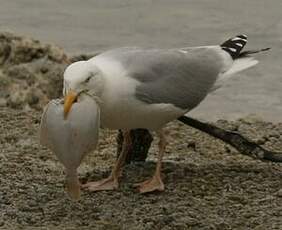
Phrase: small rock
{"type": "Point", "coordinates": [274, 134]}
{"type": "Point", "coordinates": [44, 69]}
{"type": "Point", "coordinates": [227, 149]}
{"type": "Point", "coordinates": [191, 144]}
{"type": "Point", "coordinates": [16, 100]}
{"type": "Point", "coordinates": [21, 72]}
{"type": "Point", "coordinates": [279, 193]}
{"type": "Point", "coordinates": [24, 142]}
{"type": "Point", "coordinates": [33, 97]}
{"type": "Point", "coordinates": [260, 141]}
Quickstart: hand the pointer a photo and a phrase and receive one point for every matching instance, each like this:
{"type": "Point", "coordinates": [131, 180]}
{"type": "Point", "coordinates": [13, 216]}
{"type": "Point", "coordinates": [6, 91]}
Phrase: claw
{"type": "Point", "coordinates": [105, 184]}
{"type": "Point", "coordinates": [153, 184]}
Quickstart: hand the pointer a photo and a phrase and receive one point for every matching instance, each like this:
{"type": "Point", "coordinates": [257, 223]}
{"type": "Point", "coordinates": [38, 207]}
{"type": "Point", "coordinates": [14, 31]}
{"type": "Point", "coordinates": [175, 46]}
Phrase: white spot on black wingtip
{"type": "Point", "coordinates": [243, 36]}
{"type": "Point", "coordinates": [239, 39]}
{"type": "Point", "coordinates": [232, 49]}
{"type": "Point", "coordinates": [234, 45]}
{"type": "Point", "coordinates": [229, 49]}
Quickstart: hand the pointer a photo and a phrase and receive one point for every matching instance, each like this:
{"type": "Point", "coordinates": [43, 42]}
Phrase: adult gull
{"type": "Point", "coordinates": [147, 88]}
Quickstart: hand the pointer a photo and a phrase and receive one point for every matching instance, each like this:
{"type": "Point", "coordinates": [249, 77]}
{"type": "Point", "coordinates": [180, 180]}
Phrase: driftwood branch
{"type": "Point", "coordinates": [142, 140]}
{"type": "Point", "coordinates": [242, 144]}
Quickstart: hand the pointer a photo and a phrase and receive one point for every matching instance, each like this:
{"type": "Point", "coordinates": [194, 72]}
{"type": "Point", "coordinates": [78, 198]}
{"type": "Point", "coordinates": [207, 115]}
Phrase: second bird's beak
{"type": "Point", "coordinates": [69, 99]}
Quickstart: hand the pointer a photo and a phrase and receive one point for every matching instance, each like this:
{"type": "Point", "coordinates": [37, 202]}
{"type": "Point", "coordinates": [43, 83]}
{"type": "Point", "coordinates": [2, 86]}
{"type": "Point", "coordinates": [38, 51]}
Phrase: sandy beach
{"type": "Point", "coordinates": [208, 183]}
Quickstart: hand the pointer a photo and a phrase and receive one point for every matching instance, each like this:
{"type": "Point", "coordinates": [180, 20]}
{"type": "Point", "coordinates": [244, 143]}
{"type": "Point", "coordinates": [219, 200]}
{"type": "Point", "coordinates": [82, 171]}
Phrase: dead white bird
{"type": "Point", "coordinates": [71, 139]}
{"type": "Point", "coordinates": [147, 88]}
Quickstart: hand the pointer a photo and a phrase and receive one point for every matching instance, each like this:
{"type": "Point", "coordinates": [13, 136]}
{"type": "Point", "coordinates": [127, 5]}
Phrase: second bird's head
{"type": "Point", "coordinates": [81, 77]}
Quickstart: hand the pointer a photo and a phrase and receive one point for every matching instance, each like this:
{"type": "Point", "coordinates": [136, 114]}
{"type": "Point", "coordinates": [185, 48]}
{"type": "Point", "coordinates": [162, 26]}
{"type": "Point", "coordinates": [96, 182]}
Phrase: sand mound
{"type": "Point", "coordinates": [30, 72]}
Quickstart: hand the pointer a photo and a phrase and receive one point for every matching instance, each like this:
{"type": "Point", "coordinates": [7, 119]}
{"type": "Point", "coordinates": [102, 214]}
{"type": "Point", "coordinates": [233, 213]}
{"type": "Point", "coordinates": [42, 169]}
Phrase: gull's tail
{"type": "Point", "coordinates": [241, 60]}
{"type": "Point", "coordinates": [248, 52]}
{"type": "Point", "coordinates": [235, 45]}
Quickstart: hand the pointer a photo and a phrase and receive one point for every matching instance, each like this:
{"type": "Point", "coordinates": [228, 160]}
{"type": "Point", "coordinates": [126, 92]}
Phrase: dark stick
{"type": "Point", "coordinates": [239, 142]}
{"type": "Point", "coordinates": [142, 140]}
{"type": "Point", "coordinates": [141, 143]}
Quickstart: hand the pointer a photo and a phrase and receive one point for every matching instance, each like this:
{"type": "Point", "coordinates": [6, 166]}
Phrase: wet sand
{"type": "Point", "coordinates": [89, 26]}
{"type": "Point", "coordinates": [208, 184]}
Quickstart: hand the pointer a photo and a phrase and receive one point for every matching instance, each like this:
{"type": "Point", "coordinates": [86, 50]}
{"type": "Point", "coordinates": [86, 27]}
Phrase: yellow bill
{"type": "Point", "coordinates": [69, 99]}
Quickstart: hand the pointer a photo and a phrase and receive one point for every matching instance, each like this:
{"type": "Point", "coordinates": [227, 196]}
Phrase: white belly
{"type": "Point", "coordinates": [129, 115]}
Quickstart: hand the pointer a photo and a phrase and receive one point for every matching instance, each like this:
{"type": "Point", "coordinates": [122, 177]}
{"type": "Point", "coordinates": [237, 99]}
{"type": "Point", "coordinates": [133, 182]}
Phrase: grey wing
{"type": "Point", "coordinates": [180, 77]}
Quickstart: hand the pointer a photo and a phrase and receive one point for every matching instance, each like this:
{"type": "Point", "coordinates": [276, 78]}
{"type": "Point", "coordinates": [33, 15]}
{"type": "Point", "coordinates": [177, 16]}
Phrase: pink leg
{"type": "Point", "coordinates": [111, 183]}
{"type": "Point", "coordinates": [155, 183]}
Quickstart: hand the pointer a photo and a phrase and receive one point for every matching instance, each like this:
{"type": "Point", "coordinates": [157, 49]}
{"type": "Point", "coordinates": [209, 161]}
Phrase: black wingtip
{"type": "Point", "coordinates": [234, 45]}
{"type": "Point", "coordinates": [265, 49]}
{"type": "Point", "coordinates": [248, 52]}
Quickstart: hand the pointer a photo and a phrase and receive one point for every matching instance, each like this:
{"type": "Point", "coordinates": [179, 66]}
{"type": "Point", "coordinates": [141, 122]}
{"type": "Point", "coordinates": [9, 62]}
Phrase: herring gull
{"type": "Point", "coordinates": [147, 88]}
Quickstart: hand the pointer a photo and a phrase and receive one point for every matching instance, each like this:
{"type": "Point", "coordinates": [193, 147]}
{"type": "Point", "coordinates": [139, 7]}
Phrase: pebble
{"type": "Point", "coordinates": [279, 193]}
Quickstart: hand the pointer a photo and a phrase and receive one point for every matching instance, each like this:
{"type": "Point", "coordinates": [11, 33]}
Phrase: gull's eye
{"type": "Point", "coordinates": [88, 79]}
